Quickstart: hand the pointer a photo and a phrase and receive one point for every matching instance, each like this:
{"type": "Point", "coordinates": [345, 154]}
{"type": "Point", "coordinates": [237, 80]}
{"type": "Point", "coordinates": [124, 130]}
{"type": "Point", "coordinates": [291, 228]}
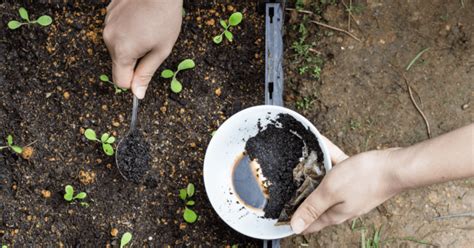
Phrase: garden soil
{"type": "Point", "coordinates": [51, 93]}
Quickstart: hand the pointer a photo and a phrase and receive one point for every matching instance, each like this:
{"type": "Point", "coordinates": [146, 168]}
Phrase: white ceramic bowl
{"type": "Point", "coordinates": [226, 145]}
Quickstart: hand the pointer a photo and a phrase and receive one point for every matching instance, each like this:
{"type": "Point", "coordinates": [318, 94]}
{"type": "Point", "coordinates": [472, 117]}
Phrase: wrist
{"type": "Point", "coordinates": [395, 170]}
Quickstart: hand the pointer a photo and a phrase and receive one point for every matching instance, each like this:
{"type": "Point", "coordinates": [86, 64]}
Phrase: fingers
{"type": "Point", "coordinates": [122, 71]}
{"type": "Point", "coordinates": [310, 210]}
{"type": "Point", "coordinates": [329, 218]}
{"type": "Point", "coordinates": [337, 155]}
{"type": "Point", "coordinates": [144, 72]}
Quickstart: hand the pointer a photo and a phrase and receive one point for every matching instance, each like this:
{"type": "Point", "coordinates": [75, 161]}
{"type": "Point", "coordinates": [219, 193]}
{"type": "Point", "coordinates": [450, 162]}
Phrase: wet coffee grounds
{"type": "Point", "coordinates": [278, 148]}
{"type": "Point", "coordinates": [133, 157]}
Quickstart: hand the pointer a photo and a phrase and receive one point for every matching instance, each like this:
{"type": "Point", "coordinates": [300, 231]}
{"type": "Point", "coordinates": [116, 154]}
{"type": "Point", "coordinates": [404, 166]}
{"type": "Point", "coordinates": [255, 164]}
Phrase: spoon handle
{"type": "Point", "coordinates": [134, 113]}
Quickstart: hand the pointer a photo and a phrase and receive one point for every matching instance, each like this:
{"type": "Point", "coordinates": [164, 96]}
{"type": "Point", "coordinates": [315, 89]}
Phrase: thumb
{"type": "Point", "coordinates": [144, 72]}
{"type": "Point", "coordinates": [310, 210]}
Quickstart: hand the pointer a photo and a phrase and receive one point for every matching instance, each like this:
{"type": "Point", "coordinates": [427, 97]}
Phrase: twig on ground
{"type": "Point", "coordinates": [410, 92]}
{"type": "Point", "coordinates": [351, 15]}
{"type": "Point", "coordinates": [337, 29]}
{"type": "Point", "coordinates": [450, 216]}
{"type": "Point", "coordinates": [349, 11]}
{"type": "Point", "coordinates": [323, 24]}
{"type": "Point", "coordinates": [416, 58]}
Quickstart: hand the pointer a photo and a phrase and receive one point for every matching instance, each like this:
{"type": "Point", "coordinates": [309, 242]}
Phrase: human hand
{"type": "Point", "coordinates": [353, 187]}
{"type": "Point", "coordinates": [140, 35]}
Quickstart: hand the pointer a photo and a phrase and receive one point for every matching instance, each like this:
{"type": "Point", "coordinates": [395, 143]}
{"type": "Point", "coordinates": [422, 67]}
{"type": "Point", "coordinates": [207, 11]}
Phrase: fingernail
{"type": "Point", "coordinates": [140, 92]}
{"type": "Point", "coordinates": [298, 226]}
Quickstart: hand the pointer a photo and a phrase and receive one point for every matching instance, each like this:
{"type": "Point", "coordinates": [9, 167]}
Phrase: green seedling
{"type": "Point", "coordinates": [44, 20]}
{"type": "Point", "coordinates": [106, 140]}
{"type": "Point", "coordinates": [69, 195]}
{"type": "Point", "coordinates": [176, 85]}
{"type": "Point", "coordinates": [15, 148]}
{"type": "Point", "coordinates": [185, 194]}
{"type": "Point", "coordinates": [126, 238]}
{"type": "Point", "coordinates": [105, 78]}
{"type": "Point", "coordinates": [233, 21]}
{"type": "Point", "coordinates": [4, 246]}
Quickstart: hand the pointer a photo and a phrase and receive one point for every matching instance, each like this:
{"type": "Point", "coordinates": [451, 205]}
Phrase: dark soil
{"type": "Point", "coordinates": [51, 92]}
{"type": "Point", "coordinates": [133, 156]}
{"type": "Point", "coordinates": [278, 150]}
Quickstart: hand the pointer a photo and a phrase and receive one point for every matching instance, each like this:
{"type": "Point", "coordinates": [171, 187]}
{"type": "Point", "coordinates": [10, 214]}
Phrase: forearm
{"type": "Point", "coordinates": [444, 158]}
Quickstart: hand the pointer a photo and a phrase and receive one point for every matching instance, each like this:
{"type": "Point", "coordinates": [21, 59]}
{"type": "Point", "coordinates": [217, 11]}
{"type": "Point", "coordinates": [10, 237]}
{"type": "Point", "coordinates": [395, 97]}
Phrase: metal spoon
{"type": "Point", "coordinates": [132, 128]}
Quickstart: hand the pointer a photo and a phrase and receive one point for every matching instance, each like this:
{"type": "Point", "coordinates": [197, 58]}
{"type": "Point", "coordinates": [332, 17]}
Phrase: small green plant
{"type": "Point", "coordinates": [15, 148]}
{"type": "Point", "coordinates": [126, 238]}
{"type": "Point", "coordinates": [106, 140]}
{"type": "Point", "coordinates": [44, 20]}
{"type": "Point", "coordinates": [304, 103]}
{"type": "Point", "coordinates": [185, 194]}
{"type": "Point", "coordinates": [233, 21]}
{"type": "Point", "coordinates": [176, 85]}
{"type": "Point", "coordinates": [105, 78]}
{"type": "Point", "coordinates": [69, 194]}
{"type": "Point", "coordinates": [4, 246]}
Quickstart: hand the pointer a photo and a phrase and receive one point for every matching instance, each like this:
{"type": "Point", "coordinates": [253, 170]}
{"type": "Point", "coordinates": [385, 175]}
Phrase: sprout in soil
{"type": "Point", "coordinates": [126, 238]}
{"type": "Point", "coordinates": [69, 195]}
{"type": "Point", "coordinates": [185, 194]}
{"type": "Point", "coordinates": [176, 86]}
{"type": "Point", "coordinates": [106, 140]}
{"type": "Point", "coordinates": [15, 148]}
{"type": "Point", "coordinates": [233, 21]}
{"type": "Point", "coordinates": [105, 78]}
{"type": "Point", "coordinates": [44, 20]}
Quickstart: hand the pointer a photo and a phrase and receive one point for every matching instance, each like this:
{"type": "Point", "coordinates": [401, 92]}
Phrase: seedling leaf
{"type": "Point", "coordinates": [44, 20]}
{"type": "Point", "coordinates": [90, 134]}
{"type": "Point", "coordinates": [10, 140]}
{"type": "Point", "coordinates": [217, 39]}
{"type": "Point", "coordinates": [182, 194]}
{"type": "Point", "coordinates": [110, 140]}
{"type": "Point", "coordinates": [17, 149]}
{"type": "Point", "coordinates": [108, 149]}
{"type": "Point", "coordinates": [80, 196]}
{"type": "Point", "coordinates": [190, 190]}
{"type": "Point", "coordinates": [167, 73]}
{"type": "Point", "coordinates": [14, 24]}
{"type": "Point", "coordinates": [223, 24]}
{"type": "Point", "coordinates": [104, 78]}
{"type": "Point", "coordinates": [186, 64]}
{"type": "Point", "coordinates": [229, 35]}
{"type": "Point", "coordinates": [126, 238]}
{"type": "Point", "coordinates": [69, 193]}
{"type": "Point", "coordinates": [104, 137]}
{"type": "Point", "coordinates": [190, 203]}
{"type": "Point", "coordinates": [23, 14]}
{"type": "Point", "coordinates": [176, 86]}
{"type": "Point", "coordinates": [235, 19]}
{"type": "Point", "coordinates": [189, 215]}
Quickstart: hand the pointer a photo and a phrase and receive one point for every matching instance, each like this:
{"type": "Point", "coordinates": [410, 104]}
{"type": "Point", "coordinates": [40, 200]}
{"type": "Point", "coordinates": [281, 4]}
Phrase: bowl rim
{"type": "Point", "coordinates": [236, 117]}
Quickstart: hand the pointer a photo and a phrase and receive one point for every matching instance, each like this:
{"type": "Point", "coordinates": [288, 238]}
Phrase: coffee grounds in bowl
{"type": "Point", "coordinates": [280, 148]}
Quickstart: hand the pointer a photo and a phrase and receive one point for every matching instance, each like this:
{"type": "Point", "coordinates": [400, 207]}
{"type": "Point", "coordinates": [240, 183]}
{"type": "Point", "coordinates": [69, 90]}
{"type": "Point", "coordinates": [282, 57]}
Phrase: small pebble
{"type": "Point", "coordinates": [46, 193]}
{"type": "Point", "coordinates": [218, 91]}
{"type": "Point", "coordinates": [182, 226]}
{"type": "Point", "coordinates": [66, 95]}
{"type": "Point", "coordinates": [114, 232]}
{"type": "Point", "coordinates": [27, 152]}
{"type": "Point", "coordinates": [211, 22]}
{"type": "Point", "coordinates": [465, 106]}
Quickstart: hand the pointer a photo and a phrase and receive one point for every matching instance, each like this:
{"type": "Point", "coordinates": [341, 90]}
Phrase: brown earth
{"type": "Point", "coordinates": [361, 103]}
